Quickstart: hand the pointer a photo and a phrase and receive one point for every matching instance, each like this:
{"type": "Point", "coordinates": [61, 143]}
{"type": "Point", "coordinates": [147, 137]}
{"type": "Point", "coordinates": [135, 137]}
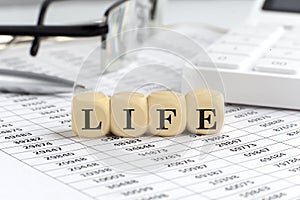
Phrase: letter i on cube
{"type": "Point", "coordinates": [129, 114]}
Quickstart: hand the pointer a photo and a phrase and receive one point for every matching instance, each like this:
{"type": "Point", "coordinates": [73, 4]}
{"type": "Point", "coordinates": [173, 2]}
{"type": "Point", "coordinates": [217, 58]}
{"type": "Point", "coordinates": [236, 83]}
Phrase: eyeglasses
{"type": "Point", "coordinates": [121, 16]}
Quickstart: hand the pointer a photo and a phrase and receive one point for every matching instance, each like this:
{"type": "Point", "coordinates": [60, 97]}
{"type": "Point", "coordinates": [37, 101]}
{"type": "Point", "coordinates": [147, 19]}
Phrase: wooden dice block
{"type": "Point", "coordinates": [129, 114]}
{"type": "Point", "coordinates": [205, 111]}
{"type": "Point", "coordinates": [167, 113]}
{"type": "Point", "coordinates": [90, 115]}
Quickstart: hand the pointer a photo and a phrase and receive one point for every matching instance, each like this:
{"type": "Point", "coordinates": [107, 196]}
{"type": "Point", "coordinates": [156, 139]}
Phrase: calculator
{"type": "Point", "coordinates": [259, 61]}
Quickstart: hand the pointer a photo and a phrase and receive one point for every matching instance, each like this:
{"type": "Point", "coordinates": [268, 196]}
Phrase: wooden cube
{"type": "Point", "coordinates": [90, 115]}
{"type": "Point", "coordinates": [129, 114]}
{"type": "Point", "coordinates": [167, 113]}
{"type": "Point", "coordinates": [205, 111]}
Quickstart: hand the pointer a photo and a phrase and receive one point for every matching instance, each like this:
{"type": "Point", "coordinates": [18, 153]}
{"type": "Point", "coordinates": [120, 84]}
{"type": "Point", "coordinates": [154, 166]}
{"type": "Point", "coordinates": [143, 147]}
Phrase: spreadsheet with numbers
{"type": "Point", "coordinates": [256, 156]}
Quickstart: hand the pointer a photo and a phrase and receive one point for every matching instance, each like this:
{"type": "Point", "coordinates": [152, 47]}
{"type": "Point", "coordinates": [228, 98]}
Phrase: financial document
{"type": "Point", "coordinates": [255, 156]}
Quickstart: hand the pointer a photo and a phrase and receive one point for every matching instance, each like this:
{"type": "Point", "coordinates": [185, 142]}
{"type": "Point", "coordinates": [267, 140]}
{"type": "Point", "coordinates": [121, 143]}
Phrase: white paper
{"type": "Point", "coordinates": [256, 156]}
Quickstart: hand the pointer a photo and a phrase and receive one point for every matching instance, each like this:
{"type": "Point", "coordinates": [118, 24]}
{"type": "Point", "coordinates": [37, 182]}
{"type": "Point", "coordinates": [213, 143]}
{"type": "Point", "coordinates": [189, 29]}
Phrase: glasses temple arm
{"type": "Point", "coordinates": [52, 31]}
{"type": "Point", "coordinates": [36, 42]}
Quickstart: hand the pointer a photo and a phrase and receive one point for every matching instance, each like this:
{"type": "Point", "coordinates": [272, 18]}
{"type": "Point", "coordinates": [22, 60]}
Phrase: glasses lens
{"type": "Point", "coordinates": [65, 12]}
{"type": "Point", "coordinates": [129, 15]}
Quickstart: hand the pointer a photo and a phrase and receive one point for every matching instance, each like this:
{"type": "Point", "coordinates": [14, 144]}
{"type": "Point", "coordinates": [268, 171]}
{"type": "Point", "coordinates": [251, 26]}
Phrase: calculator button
{"type": "Point", "coordinates": [293, 34]}
{"type": "Point", "coordinates": [235, 49]}
{"type": "Point", "coordinates": [289, 54]}
{"type": "Point", "coordinates": [242, 40]}
{"type": "Point", "coordinates": [289, 44]}
{"type": "Point", "coordinates": [290, 36]}
{"type": "Point", "coordinates": [262, 31]}
{"type": "Point", "coordinates": [278, 66]}
{"type": "Point", "coordinates": [226, 61]}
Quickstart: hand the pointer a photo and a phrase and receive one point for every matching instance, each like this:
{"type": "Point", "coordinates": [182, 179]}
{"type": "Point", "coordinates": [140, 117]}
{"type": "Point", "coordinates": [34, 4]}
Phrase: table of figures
{"type": "Point", "coordinates": [256, 156]}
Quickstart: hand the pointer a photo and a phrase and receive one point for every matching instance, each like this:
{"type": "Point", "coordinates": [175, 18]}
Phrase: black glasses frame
{"type": "Point", "coordinates": [86, 30]}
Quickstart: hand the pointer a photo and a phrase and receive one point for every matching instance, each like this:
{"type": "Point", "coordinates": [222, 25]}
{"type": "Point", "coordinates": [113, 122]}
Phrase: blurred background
{"type": "Point", "coordinates": [222, 13]}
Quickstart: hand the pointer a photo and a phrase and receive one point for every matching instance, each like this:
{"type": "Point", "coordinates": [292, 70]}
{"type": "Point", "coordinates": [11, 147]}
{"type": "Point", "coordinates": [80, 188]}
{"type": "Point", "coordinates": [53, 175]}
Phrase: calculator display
{"type": "Point", "coordinates": [282, 5]}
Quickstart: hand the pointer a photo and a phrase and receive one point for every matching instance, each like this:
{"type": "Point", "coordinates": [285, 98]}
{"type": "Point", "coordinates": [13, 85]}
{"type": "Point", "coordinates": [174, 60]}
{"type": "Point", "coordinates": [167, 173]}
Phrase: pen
{"type": "Point", "coordinates": [33, 83]}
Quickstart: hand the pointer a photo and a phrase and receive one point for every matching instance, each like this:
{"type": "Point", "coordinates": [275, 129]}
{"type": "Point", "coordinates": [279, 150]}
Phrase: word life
{"type": "Point", "coordinates": [163, 113]}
